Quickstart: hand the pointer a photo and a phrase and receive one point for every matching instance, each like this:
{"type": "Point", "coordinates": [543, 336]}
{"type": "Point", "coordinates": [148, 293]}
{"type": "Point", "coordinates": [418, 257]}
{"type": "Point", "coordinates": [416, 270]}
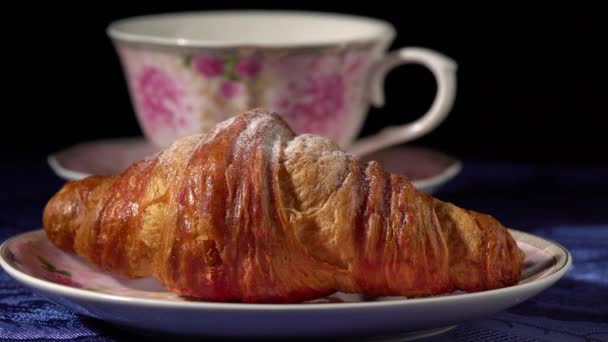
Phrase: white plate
{"type": "Point", "coordinates": [428, 169]}
{"type": "Point", "coordinates": [145, 306]}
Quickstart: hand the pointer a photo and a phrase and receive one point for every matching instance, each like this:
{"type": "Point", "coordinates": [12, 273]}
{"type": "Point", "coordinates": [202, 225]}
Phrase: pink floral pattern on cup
{"type": "Point", "coordinates": [247, 68]}
{"type": "Point", "coordinates": [180, 94]}
{"type": "Point", "coordinates": [321, 93]}
{"type": "Point", "coordinates": [208, 67]}
{"type": "Point", "coordinates": [313, 103]}
{"type": "Point", "coordinates": [157, 96]}
{"type": "Point", "coordinates": [229, 88]}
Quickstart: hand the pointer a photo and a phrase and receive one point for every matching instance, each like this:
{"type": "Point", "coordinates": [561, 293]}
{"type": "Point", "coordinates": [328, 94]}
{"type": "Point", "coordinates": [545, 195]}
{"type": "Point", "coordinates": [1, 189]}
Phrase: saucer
{"type": "Point", "coordinates": [103, 157]}
{"type": "Point", "coordinates": [428, 169]}
{"type": "Point", "coordinates": [144, 306]}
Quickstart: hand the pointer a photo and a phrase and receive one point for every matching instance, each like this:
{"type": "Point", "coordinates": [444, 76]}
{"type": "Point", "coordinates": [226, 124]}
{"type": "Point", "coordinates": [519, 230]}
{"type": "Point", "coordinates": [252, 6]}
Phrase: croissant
{"type": "Point", "coordinates": [250, 212]}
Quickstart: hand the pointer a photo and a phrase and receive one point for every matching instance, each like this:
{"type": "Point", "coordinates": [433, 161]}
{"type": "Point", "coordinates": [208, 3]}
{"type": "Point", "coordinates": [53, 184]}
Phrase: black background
{"type": "Point", "coordinates": [531, 85]}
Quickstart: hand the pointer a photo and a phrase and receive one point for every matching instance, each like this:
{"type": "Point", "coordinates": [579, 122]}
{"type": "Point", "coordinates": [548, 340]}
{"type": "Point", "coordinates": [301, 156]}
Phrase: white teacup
{"type": "Point", "coordinates": [187, 72]}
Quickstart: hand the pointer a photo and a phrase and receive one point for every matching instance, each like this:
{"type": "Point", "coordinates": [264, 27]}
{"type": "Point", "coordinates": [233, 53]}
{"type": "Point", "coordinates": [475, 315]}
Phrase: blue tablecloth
{"type": "Point", "coordinates": [565, 204]}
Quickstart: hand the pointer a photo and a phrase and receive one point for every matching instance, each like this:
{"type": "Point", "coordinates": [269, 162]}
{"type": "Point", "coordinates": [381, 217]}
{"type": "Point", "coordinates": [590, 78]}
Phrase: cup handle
{"type": "Point", "coordinates": [444, 70]}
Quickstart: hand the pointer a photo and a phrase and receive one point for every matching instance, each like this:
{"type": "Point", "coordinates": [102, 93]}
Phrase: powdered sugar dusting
{"type": "Point", "coordinates": [318, 146]}
{"type": "Point", "coordinates": [172, 159]}
{"type": "Point", "coordinates": [169, 155]}
{"type": "Point", "coordinates": [246, 137]}
{"type": "Point", "coordinates": [331, 168]}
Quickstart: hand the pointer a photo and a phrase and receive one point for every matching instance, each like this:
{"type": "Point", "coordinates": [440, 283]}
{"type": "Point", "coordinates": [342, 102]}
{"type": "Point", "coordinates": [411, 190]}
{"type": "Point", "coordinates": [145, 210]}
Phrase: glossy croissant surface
{"type": "Point", "coordinates": [250, 212]}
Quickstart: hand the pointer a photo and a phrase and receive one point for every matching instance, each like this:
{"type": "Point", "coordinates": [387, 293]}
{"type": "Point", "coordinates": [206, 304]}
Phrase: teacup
{"type": "Point", "coordinates": [188, 71]}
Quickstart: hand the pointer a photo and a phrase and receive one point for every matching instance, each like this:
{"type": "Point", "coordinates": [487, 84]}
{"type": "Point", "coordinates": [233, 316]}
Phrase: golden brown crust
{"type": "Point", "coordinates": [250, 212]}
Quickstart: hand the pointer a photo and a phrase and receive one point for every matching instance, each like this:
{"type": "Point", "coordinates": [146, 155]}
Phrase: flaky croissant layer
{"type": "Point", "coordinates": [252, 213]}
